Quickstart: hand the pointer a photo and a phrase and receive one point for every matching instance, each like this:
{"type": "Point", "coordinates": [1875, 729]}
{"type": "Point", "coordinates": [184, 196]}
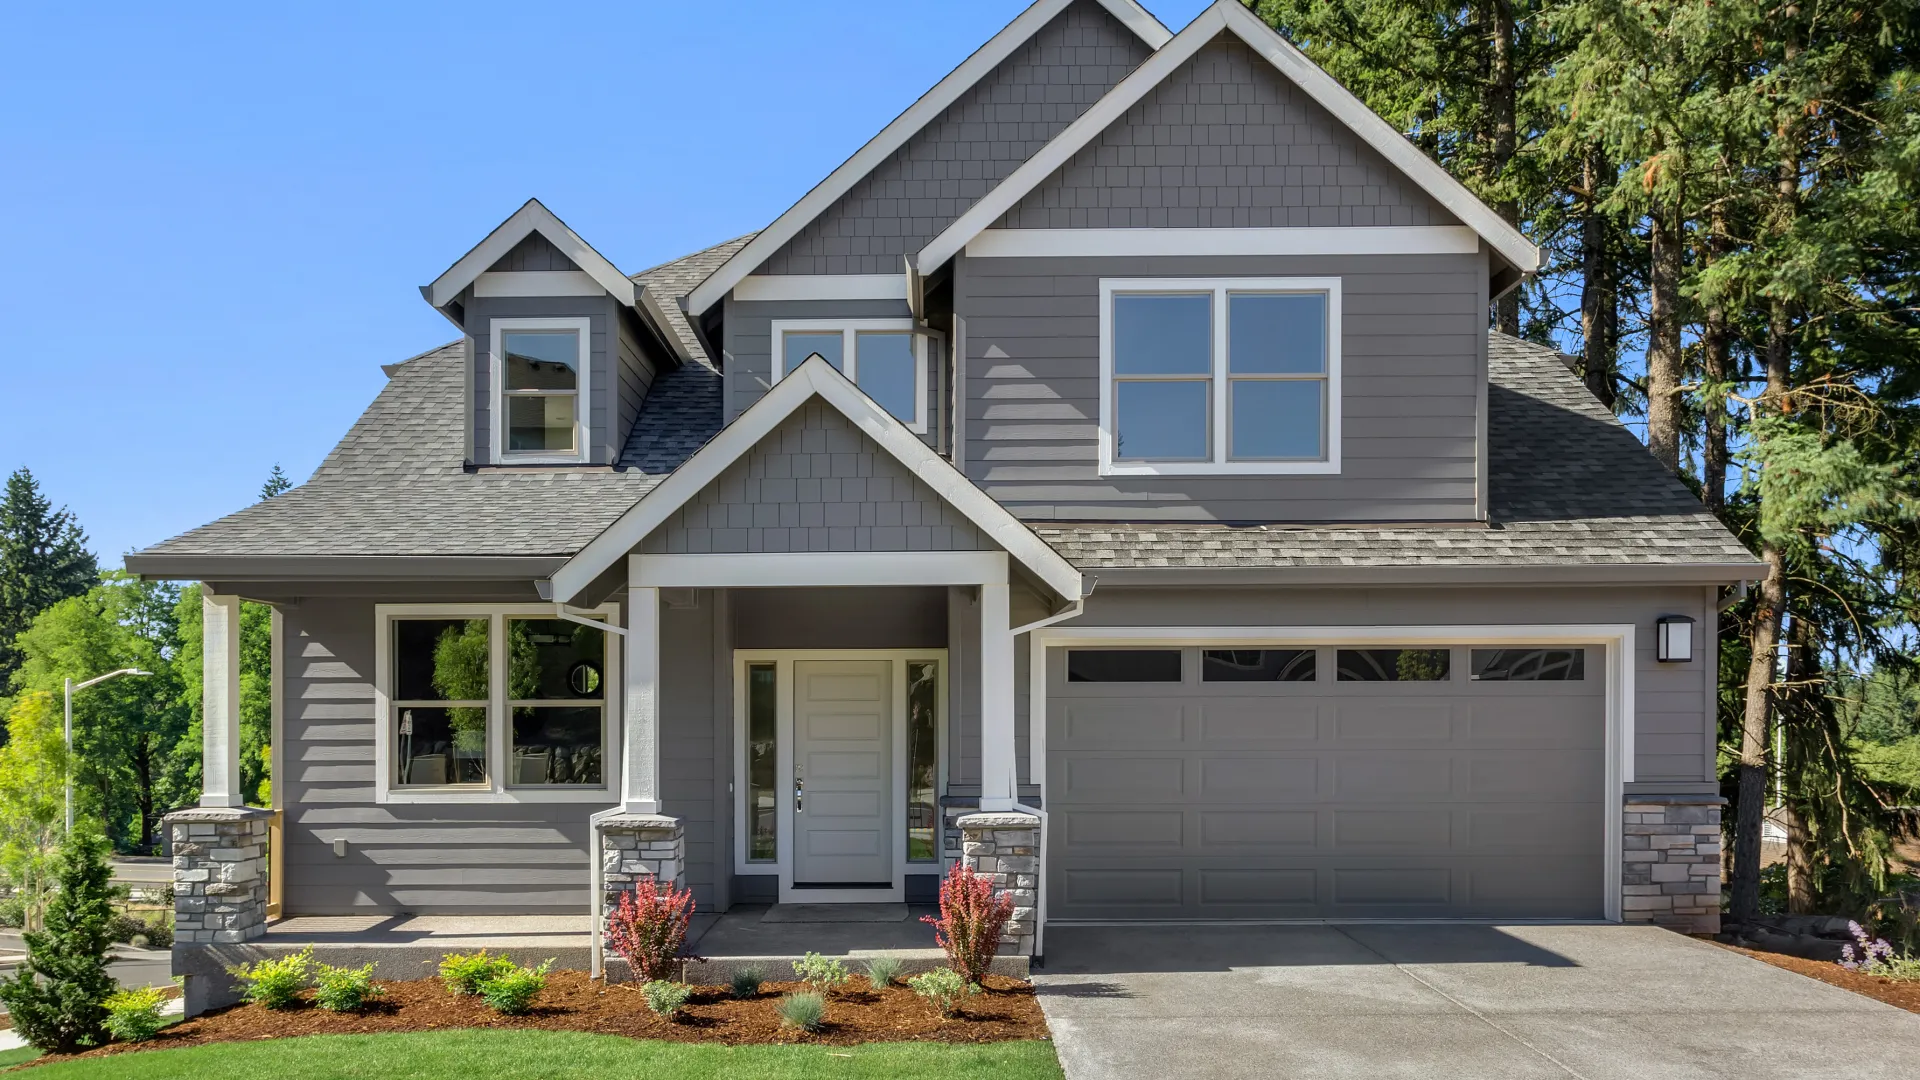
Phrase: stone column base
{"type": "Point", "coordinates": [635, 846]}
{"type": "Point", "coordinates": [1006, 846]}
{"type": "Point", "coordinates": [219, 874]}
{"type": "Point", "coordinates": [1671, 862]}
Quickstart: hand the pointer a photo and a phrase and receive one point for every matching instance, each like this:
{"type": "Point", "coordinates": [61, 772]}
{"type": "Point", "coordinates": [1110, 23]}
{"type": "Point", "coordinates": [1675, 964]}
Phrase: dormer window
{"type": "Point", "coordinates": [540, 383]}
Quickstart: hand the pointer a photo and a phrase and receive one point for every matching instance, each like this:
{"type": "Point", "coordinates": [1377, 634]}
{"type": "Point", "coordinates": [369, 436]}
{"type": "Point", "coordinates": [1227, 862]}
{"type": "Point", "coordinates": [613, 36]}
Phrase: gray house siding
{"type": "Point", "coordinates": [816, 483]}
{"type": "Point", "coordinates": [1225, 142]}
{"type": "Point", "coordinates": [968, 149]}
{"type": "Point", "coordinates": [1413, 344]}
{"type": "Point", "coordinates": [533, 253]}
{"type": "Point", "coordinates": [636, 372]}
{"type": "Point", "coordinates": [604, 439]}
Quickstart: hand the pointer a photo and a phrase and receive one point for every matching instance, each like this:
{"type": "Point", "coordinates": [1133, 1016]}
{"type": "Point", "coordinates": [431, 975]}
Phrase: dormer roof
{"type": "Point", "coordinates": [530, 218]}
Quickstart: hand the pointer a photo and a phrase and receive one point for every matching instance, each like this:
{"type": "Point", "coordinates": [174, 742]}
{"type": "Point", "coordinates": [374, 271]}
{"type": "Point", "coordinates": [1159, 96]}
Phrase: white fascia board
{"type": "Point", "coordinates": [815, 378]}
{"type": "Point", "coordinates": [904, 127]}
{"type": "Point", "coordinates": [1318, 240]}
{"type": "Point", "coordinates": [655, 313]}
{"type": "Point", "coordinates": [1230, 16]}
{"type": "Point", "coordinates": [818, 568]}
{"type": "Point", "coordinates": [530, 218]}
{"type": "Point", "coordinates": [536, 283]}
{"type": "Point", "coordinates": [821, 287]}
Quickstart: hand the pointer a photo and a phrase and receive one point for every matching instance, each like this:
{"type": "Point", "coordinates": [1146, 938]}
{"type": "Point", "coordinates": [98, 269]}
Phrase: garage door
{"type": "Point", "coordinates": [1188, 783]}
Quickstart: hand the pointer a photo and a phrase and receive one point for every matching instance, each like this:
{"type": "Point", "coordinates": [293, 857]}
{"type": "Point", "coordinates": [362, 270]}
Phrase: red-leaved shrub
{"type": "Point", "coordinates": [972, 914]}
{"type": "Point", "coordinates": [648, 927]}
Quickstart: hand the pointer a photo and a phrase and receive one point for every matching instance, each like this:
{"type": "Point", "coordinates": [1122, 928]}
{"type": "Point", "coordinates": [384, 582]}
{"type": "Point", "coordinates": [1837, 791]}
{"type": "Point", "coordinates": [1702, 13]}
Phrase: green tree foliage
{"type": "Point", "coordinates": [43, 559]}
{"type": "Point", "coordinates": [57, 997]}
{"type": "Point", "coordinates": [277, 482]}
{"type": "Point", "coordinates": [33, 772]}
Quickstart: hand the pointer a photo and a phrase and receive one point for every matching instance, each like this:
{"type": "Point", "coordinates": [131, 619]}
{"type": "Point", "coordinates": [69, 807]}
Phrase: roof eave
{"type": "Point", "coordinates": [1502, 574]}
{"type": "Point", "coordinates": [161, 566]}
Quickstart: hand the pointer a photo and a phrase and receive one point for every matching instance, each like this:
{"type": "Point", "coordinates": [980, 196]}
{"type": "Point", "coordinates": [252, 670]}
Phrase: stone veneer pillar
{"type": "Point", "coordinates": [1671, 855]}
{"type": "Point", "coordinates": [635, 846]}
{"type": "Point", "coordinates": [219, 874]}
{"type": "Point", "coordinates": [1006, 846]}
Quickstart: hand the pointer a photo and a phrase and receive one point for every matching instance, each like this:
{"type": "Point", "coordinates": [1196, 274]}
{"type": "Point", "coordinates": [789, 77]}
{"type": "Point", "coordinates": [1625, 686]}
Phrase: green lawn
{"type": "Point", "coordinates": [18, 1056]}
{"type": "Point", "coordinates": [541, 1055]}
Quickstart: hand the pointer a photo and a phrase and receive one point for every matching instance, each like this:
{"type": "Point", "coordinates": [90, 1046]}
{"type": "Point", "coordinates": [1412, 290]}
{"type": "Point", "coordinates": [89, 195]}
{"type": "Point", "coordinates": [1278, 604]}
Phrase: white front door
{"type": "Point", "coordinates": [843, 766]}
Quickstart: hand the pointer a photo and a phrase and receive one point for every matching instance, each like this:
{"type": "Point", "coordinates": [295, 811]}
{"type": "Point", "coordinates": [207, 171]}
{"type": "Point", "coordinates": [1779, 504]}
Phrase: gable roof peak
{"type": "Point", "coordinates": [532, 217]}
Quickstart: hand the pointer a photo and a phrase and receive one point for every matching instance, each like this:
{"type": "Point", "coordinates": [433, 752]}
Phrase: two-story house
{"type": "Point", "coordinates": [1110, 459]}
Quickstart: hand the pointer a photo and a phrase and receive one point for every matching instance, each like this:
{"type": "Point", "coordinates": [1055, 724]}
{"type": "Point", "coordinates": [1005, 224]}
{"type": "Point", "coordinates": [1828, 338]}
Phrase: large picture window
{"type": "Point", "coordinates": [1219, 376]}
{"type": "Point", "coordinates": [495, 704]}
{"type": "Point", "coordinates": [885, 358]}
{"type": "Point", "coordinates": [540, 369]}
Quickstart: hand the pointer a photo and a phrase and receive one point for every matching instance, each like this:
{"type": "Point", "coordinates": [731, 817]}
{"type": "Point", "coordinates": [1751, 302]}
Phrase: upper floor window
{"type": "Point", "coordinates": [885, 358]}
{"type": "Point", "coordinates": [1219, 376]}
{"type": "Point", "coordinates": [540, 374]}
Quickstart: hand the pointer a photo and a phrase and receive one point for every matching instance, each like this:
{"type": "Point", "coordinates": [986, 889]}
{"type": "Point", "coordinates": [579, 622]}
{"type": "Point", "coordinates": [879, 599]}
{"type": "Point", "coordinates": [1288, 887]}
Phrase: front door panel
{"type": "Point", "coordinates": [842, 772]}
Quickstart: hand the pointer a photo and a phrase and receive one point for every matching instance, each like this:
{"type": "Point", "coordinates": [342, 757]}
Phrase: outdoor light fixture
{"type": "Point", "coordinates": [1676, 639]}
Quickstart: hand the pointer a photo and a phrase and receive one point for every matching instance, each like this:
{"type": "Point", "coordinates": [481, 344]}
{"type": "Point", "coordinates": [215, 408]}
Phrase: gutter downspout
{"type": "Point", "coordinates": [1738, 594]}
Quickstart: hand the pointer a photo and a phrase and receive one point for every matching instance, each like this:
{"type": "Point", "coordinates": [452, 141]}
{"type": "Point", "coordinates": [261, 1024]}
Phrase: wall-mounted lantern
{"type": "Point", "coordinates": [1676, 639]}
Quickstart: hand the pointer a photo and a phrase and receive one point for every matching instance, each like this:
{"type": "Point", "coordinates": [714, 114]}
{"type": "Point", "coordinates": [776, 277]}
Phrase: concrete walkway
{"type": "Point", "coordinates": [1379, 1001]}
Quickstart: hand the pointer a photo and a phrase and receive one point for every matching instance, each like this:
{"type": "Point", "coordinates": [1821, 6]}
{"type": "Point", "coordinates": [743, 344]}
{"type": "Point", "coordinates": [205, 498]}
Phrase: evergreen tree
{"type": "Point", "coordinates": [55, 998]}
{"type": "Point", "coordinates": [43, 559]}
{"type": "Point", "coordinates": [277, 482]}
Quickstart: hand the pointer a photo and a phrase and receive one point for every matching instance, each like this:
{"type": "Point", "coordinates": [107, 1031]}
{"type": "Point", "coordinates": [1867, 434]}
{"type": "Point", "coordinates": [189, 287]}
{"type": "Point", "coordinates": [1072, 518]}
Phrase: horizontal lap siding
{"type": "Point", "coordinates": [1409, 401]}
{"type": "Point", "coordinates": [635, 379]}
{"type": "Point", "coordinates": [692, 708]}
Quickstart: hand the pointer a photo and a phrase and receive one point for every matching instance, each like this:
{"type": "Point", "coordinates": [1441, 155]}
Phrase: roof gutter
{"type": "Point", "coordinates": [1713, 573]}
{"type": "Point", "coordinates": [166, 567]}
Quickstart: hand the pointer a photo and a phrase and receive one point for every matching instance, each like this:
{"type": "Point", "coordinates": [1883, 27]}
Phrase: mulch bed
{"type": "Point", "coordinates": [1901, 995]}
{"type": "Point", "coordinates": [573, 1002]}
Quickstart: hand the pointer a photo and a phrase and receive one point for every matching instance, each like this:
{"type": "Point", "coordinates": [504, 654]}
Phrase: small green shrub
{"type": "Point", "coordinates": [746, 981]}
{"type": "Point", "coordinates": [345, 989]}
{"type": "Point", "coordinates": [944, 988]}
{"type": "Point", "coordinates": [512, 991]}
{"type": "Point", "coordinates": [462, 973]}
{"type": "Point", "coordinates": [134, 1015]}
{"type": "Point", "coordinates": [666, 998]}
{"type": "Point", "coordinates": [822, 974]}
{"type": "Point", "coordinates": [882, 970]}
{"type": "Point", "coordinates": [806, 1011]}
{"type": "Point", "coordinates": [273, 984]}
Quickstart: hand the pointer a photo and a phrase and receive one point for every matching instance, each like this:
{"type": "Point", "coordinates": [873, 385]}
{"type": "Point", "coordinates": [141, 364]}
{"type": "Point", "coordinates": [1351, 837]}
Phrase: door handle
{"type": "Point", "coordinates": [799, 792]}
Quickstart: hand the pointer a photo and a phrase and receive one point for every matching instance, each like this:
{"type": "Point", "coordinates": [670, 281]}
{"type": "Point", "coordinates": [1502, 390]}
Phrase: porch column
{"type": "Point", "coordinates": [220, 700]}
{"type": "Point", "coordinates": [640, 761]}
{"type": "Point", "coordinates": [998, 772]}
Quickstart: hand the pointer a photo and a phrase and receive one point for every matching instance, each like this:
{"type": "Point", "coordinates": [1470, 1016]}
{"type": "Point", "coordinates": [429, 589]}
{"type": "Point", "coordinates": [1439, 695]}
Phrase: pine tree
{"type": "Point", "coordinates": [55, 998]}
{"type": "Point", "coordinates": [43, 559]}
{"type": "Point", "coordinates": [277, 482]}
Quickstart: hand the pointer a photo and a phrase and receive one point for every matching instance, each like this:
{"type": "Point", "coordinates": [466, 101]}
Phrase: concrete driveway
{"type": "Point", "coordinates": [1374, 1001]}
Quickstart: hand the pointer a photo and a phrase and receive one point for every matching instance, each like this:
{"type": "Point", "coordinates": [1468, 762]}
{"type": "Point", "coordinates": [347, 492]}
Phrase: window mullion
{"type": "Point", "coordinates": [850, 353]}
{"type": "Point", "coordinates": [1220, 417]}
{"type": "Point", "coordinates": [498, 718]}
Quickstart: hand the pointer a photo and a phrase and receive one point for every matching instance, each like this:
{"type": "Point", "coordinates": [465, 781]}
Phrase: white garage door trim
{"type": "Point", "coordinates": [1618, 639]}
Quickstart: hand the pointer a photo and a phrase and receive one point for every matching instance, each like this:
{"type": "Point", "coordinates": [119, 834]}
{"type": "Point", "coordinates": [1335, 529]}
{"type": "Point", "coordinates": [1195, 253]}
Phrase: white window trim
{"type": "Point", "coordinates": [496, 367]}
{"type": "Point", "coordinates": [497, 789]}
{"type": "Point", "coordinates": [782, 866]}
{"type": "Point", "coordinates": [1218, 427]}
{"type": "Point", "coordinates": [848, 329]}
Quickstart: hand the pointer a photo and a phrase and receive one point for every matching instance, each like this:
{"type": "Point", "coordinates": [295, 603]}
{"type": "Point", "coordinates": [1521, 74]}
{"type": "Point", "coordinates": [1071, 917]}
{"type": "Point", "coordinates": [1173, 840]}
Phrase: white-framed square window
{"type": "Point", "coordinates": [1219, 376]}
{"type": "Point", "coordinates": [540, 370]}
{"type": "Point", "coordinates": [886, 358]}
{"type": "Point", "coordinates": [495, 703]}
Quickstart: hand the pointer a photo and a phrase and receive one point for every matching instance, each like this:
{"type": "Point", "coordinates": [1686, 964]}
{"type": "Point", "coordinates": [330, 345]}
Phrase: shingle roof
{"type": "Point", "coordinates": [1569, 485]}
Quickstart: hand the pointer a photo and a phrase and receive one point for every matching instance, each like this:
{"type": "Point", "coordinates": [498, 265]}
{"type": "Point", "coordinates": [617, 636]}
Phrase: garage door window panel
{"type": "Point", "coordinates": [1393, 665]}
{"type": "Point", "coordinates": [1258, 665]}
{"type": "Point", "coordinates": [1529, 665]}
{"type": "Point", "coordinates": [1123, 665]}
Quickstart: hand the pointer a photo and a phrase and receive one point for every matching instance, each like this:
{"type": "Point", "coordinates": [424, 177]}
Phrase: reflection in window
{"type": "Point", "coordinates": [762, 800]}
{"type": "Point", "coordinates": [1123, 665]}
{"type": "Point", "coordinates": [1529, 665]}
{"type": "Point", "coordinates": [1393, 665]}
{"type": "Point", "coordinates": [440, 701]}
{"type": "Point", "coordinates": [541, 386]}
{"type": "Point", "coordinates": [556, 673]}
{"type": "Point", "coordinates": [923, 815]}
{"type": "Point", "coordinates": [1257, 665]}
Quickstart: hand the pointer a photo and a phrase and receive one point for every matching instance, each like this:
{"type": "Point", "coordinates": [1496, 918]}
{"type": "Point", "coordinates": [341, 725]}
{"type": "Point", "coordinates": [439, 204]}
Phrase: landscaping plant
{"type": "Point", "coordinates": [1869, 955]}
{"type": "Point", "coordinates": [805, 1010]}
{"type": "Point", "coordinates": [944, 988]}
{"type": "Point", "coordinates": [462, 973]}
{"type": "Point", "coordinates": [648, 928]}
{"type": "Point", "coordinates": [882, 970]}
{"type": "Point", "coordinates": [345, 989]}
{"type": "Point", "coordinates": [823, 975]}
{"type": "Point", "coordinates": [134, 1015]}
{"type": "Point", "coordinates": [57, 998]}
{"type": "Point", "coordinates": [666, 998]}
{"type": "Point", "coordinates": [745, 982]}
{"type": "Point", "coordinates": [274, 984]}
{"type": "Point", "coordinates": [972, 915]}
{"type": "Point", "coordinates": [512, 991]}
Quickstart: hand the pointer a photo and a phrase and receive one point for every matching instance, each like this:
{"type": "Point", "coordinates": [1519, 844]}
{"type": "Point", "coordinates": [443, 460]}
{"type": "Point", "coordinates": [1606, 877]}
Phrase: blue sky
{"type": "Point", "coordinates": [220, 214]}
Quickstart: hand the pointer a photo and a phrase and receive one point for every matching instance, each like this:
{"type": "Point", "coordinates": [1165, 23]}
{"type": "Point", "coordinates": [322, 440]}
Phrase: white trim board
{"type": "Point", "coordinates": [1230, 16]}
{"type": "Point", "coordinates": [905, 126]}
{"type": "Point", "coordinates": [819, 569]}
{"type": "Point", "coordinates": [1368, 240]}
{"type": "Point", "coordinates": [530, 218]}
{"type": "Point", "coordinates": [815, 378]}
{"type": "Point", "coordinates": [1618, 638]}
{"type": "Point", "coordinates": [536, 283]}
{"type": "Point", "coordinates": [821, 287]}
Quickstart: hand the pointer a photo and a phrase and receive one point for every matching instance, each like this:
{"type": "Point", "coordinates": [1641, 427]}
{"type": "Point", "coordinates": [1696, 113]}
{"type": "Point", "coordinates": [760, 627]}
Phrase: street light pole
{"type": "Point", "coordinates": [71, 687]}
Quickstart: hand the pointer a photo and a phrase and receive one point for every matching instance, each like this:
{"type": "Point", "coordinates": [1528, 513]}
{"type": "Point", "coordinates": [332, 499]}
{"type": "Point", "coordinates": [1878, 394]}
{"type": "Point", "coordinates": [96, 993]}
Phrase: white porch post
{"type": "Point", "coordinates": [640, 761]}
{"type": "Point", "coordinates": [220, 700]}
{"type": "Point", "coordinates": [998, 771]}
